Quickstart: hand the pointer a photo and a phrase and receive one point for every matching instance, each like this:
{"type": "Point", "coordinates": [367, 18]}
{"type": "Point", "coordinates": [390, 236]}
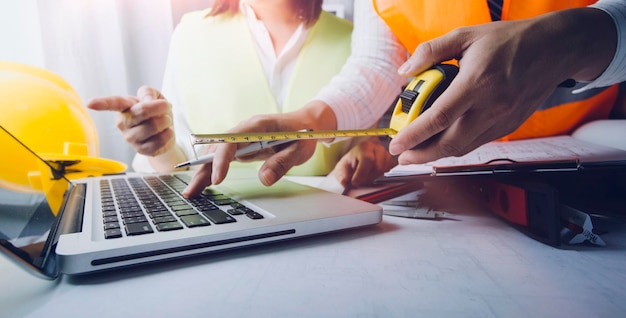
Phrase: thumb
{"type": "Point", "coordinates": [147, 93]}
{"type": "Point", "coordinates": [432, 52]}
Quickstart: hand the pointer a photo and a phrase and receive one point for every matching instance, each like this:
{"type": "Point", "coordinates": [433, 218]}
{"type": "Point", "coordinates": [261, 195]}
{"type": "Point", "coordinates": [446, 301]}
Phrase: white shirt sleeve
{"type": "Point", "coordinates": [616, 71]}
{"type": "Point", "coordinates": [369, 82]}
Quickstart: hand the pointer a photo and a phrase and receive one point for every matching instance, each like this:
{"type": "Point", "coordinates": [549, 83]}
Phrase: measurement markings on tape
{"type": "Point", "coordinates": [295, 135]}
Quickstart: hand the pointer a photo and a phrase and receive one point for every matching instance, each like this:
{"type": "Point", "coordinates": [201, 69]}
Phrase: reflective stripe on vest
{"type": "Point", "coordinates": [417, 21]}
{"type": "Point", "coordinates": [221, 80]}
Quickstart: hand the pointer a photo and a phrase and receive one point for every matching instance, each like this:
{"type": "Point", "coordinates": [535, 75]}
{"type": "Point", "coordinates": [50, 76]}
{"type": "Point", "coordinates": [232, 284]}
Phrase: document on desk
{"type": "Point", "coordinates": [559, 153]}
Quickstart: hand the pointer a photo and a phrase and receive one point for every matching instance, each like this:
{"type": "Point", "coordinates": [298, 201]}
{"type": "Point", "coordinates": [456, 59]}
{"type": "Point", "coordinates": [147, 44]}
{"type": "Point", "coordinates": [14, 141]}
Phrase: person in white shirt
{"type": "Point", "coordinates": [233, 61]}
{"type": "Point", "coordinates": [462, 118]}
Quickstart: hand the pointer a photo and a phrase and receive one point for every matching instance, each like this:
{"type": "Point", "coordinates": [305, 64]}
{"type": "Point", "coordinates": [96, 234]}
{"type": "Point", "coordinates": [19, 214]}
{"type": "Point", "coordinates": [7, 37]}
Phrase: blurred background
{"type": "Point", "coordinates": [103, 47]}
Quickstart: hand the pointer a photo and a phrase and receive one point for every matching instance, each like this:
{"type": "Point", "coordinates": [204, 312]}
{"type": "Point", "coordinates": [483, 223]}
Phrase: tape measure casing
{"type": "Point", "coordinates": [420, 94]}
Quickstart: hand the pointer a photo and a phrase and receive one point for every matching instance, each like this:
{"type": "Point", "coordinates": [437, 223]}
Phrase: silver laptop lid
{"type": "Point", "coordinates": [31, 194]}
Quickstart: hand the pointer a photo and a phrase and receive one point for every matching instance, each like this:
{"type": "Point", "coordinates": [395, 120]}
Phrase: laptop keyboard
{"type": "Point", "coordinates": [143, 205]}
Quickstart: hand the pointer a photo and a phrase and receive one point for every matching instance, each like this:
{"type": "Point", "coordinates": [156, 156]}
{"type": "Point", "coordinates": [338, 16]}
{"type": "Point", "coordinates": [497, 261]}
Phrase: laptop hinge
{"type": "Point", "coordinates": [69, 220]}
{"type": "Point", "coordinates": [72, 210]}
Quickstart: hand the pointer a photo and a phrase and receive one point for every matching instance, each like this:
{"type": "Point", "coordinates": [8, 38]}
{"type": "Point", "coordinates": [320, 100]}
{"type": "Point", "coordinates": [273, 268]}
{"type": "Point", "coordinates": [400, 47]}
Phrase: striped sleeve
{"type": "Point", "coordinates": [369, 82]}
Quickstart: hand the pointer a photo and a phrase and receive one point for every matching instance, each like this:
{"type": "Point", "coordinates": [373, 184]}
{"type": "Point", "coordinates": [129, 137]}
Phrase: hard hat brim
{"type": "Point", "coordinates": [76, 166]}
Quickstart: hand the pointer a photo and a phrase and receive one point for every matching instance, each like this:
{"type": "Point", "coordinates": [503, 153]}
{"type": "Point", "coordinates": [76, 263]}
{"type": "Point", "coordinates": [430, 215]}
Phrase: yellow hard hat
{"type": "Point", "coordinates": [43, 74]}
{"type": "Point", "coordinates": [44, 113]}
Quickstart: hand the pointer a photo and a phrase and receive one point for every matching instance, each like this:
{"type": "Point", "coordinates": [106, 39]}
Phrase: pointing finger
{"type": "Point", "coordinates": [113, 103]}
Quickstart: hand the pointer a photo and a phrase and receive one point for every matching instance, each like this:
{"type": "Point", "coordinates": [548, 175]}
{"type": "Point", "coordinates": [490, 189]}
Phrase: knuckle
{"type": "Point", "coordinates": [139, 110]}
{"type": "Point", "coordinates": [253, 123]}
{"type": "Point", "coordinates": [119, 124]}
{"type": "Point", "coordinates": [461, 33]}
{"type": "Point", "coordinates": [167, 121]}
{"type": "Point", "coordinates": [439, 120]}
{"type": "Point", "coordinates": [156, 124]}
{"type": "Point", "coordinates": [255, 119]}
{"type": "Point", "coordinates": [424, 49]}
{"type": "Point", "coordinates": [129, 137]}
{"type": "Point", "coordinates": [281, 165]}
{"type": "Point", "coordinates": [120, 121]}
{"type": "Point", "coordinates": [456, 32]}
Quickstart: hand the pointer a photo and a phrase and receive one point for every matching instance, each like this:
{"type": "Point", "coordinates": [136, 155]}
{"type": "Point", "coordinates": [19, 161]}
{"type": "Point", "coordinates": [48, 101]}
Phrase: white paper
{"type": "Point", "coordinates": [539, 149]}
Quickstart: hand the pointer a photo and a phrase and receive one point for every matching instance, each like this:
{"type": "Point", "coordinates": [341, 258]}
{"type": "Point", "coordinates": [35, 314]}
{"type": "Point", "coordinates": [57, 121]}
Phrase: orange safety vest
{"type": "Point", "coordinates": [417, 21]}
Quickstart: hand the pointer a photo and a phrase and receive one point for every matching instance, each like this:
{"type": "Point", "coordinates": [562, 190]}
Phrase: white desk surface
{"type": "Point", "coordinates": [474, 265]}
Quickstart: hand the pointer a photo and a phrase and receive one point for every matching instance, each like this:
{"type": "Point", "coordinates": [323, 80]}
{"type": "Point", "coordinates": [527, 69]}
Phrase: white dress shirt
{"type": "Point", "coordinates": [278, 71]}
{"type": "Point", "coordinates": [278, 68]}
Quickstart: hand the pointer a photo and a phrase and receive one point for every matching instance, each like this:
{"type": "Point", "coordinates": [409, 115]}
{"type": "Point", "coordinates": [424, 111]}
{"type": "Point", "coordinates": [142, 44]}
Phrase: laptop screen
{"type": "Point", "coordinates": [31, 194]}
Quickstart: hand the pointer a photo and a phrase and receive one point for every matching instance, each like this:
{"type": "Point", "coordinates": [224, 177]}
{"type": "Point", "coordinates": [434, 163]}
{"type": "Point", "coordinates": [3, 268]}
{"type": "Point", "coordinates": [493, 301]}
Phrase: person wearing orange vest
{"type": "Point", "coordinates": [560, 109]}
{"type": "Point", "coordinates": [507, 70]}
{"type": "Point", "coordinates": [561, 113]}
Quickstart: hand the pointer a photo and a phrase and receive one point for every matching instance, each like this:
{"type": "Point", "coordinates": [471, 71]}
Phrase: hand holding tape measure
{"type": "Point", "coordinates": [416, 98]}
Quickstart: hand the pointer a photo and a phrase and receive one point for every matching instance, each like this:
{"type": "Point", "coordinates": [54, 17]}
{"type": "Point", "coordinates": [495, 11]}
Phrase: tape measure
{"type": "Point", "coordinates": [416, 98]}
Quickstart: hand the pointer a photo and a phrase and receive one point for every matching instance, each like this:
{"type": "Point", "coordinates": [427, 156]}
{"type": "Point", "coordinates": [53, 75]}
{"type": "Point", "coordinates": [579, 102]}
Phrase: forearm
{"type": "Point", "coordinates": [593, 35]}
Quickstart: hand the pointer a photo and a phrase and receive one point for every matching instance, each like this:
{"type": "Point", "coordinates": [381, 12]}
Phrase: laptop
{"type": "Point", "coordinates": [115, 221]}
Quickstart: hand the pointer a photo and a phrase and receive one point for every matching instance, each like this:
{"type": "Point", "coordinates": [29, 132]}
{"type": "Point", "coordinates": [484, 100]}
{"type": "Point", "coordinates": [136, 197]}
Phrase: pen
{"type": "Point", "coordinates": [252, 148]}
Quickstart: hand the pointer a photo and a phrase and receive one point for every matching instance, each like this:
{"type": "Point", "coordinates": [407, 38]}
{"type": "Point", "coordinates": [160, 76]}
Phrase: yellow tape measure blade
{"type": "Point", "coordinates": [292, 135]}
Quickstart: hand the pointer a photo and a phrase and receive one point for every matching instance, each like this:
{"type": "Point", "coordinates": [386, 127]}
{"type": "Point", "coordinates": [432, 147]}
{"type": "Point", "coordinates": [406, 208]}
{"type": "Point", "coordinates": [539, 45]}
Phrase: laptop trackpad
{"type": "Point", "coordinates": [295, 198]}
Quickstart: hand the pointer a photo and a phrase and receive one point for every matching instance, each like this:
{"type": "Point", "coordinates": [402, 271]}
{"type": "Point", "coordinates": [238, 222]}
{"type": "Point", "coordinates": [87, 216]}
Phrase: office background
{"type": "Point", "coordinates": [105, 47]}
